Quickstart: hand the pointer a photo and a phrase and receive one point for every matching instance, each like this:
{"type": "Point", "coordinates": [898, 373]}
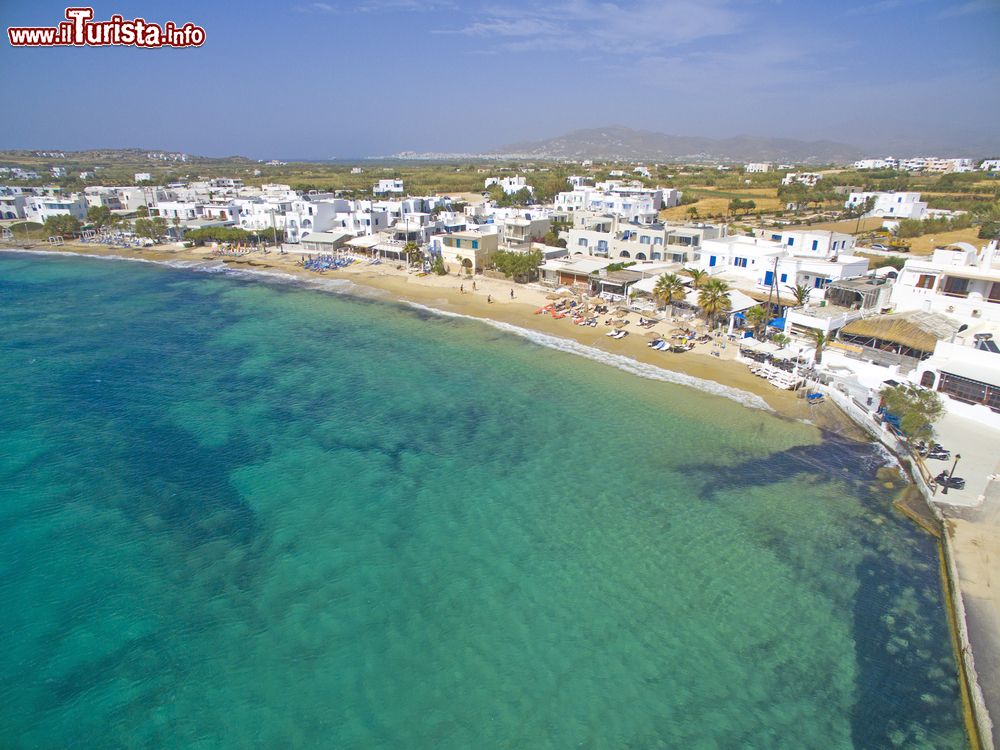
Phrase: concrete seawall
{"type": "Point", "coordinates": [978, 720]}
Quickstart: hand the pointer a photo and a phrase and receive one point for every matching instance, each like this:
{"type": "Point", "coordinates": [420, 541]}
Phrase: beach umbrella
{"type": "Point", "coordinates": [653, 334]}
{"type": "Point", "coordinates": [551, 296]}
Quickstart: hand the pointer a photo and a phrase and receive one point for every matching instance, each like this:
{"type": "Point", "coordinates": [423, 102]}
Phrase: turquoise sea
{"type": "Point", "coordinates": [239, 514]}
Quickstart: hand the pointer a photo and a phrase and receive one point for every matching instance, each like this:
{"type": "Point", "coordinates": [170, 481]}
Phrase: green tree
{"type": "Point", "coordinates": [100, 216]}
{"type": "Point", "coordinates": [61, 224]}
{"type": "Point", "coordinates": [990, 230]}
{"type": "Point", "coordinates": [521, 266]}
{"type": "Point", "coordinates": [552, 239]}
{"type": "Point", "coordinates": [153, 229]}
{"type": "Point", "coordinates": [669, 289]}
{"type": "Point", "coordinates": [713, 298]}
{"type": "Point", "coordinates": [756, 316]}
{"type": "Point", "coordinates": [437, 267]}
{"type": "Point", "coordinates": [780, 339]}
{"type": "Point", "coordinates": [142, 211]}
{"type": "Point", "coordinates": [917, 408]}
{"type": "Point", "coordinates": [697, 276]}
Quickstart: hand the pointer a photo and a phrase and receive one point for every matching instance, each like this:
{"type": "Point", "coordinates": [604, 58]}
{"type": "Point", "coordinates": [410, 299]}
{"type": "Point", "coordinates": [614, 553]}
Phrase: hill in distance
{"type": "Point", "coordinates": [619, 143]}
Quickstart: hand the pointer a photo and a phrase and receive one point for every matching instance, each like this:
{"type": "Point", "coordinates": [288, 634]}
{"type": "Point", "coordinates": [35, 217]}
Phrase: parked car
{"type": "Point", "coordinates": [879, 246]}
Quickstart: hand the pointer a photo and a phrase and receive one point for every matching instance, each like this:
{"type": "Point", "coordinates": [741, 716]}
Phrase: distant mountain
{"type": "Point", "coordinates": [624, 144]}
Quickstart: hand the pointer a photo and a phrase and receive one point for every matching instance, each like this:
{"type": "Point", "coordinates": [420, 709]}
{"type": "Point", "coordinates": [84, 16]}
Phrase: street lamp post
{"type": "Point", "coordinates": [951, 474]}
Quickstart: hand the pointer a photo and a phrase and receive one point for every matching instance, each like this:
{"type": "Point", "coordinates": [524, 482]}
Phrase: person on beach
{"type": "Point", "coordinates": [461, 288]}
{"type": "Point", "coordinates": [473, 286]}
{"type": "Point", "coordinates": [512, 294]}
{"type": "Point", "coordinates": [489, 299]}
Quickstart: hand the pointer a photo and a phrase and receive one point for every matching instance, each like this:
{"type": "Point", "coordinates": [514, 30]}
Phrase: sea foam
{"type": "Point", "coordinates": [621, 362]}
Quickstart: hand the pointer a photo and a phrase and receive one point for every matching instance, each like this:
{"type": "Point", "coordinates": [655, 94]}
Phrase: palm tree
{"type": "Point", "coordinates": [819, 338]}
{"type": "Point", "coordinates": [413, 253]}
{"type": "Point", "coordinates": [801, 293]}
{"type": "Point", "coordinates": [669, 289]}
{"type": "Point", "coordinates": [697, 275]}
{"type": "Point", "coordinates": [713, 297]}
{"type": "Point", "coordinates": [756, 316]}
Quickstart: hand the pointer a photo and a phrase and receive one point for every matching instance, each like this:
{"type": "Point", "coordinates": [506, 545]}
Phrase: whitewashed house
{"type": "Point", "coordinates": [509, 185]}
{"type": "Point", "coordinates": [388, 187]}
{"type": "Point", "coordinates": [957, 280]}
{"type": "Point", "coordinates": [891, 205]}
{"type": "Point", "coordinates": [809, 179]}
{"type": "Point", "coordinates": [38, 208]}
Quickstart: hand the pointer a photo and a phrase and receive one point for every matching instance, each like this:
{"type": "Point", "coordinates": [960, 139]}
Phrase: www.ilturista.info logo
{"type": "Point", "coordinates": [79, 30]}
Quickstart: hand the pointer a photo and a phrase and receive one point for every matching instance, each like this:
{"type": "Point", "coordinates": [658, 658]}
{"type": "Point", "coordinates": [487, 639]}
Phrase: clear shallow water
{"type": "Point", "coordinates": [236, 514]}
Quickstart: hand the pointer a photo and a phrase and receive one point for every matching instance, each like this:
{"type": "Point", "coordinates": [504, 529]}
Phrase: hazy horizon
{"type": "Point", "coordinates": [321, 80]}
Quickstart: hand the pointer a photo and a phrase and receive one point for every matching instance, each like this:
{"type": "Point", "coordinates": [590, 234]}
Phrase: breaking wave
{"type": "Point", "coordinates": [621, 362]}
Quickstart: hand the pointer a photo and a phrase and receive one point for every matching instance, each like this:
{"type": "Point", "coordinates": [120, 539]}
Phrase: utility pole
{"type": "Point", "coordinates": [770, 293]}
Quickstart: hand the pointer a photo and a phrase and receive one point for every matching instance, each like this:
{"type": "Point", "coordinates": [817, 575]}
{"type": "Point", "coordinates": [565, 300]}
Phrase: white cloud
{"type": "Point", "coordinates": [608, 27]}
{"type": "Point", "coordinates": [968, 8]}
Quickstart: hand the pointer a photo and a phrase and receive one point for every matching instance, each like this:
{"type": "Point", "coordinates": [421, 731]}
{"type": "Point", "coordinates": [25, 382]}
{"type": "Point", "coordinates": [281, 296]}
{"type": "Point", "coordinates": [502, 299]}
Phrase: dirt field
{"type": "Point", "coordinates": [716, 202]}
{"type": "Point", "coordinates": [925, 244]}
{"type": "Point", "coordinates": [848, 226]}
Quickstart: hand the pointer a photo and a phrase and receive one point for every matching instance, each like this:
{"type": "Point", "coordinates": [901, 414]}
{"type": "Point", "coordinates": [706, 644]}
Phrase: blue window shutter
{"type": "Point", "coordinates": [815, 244]}
{"type": "Point", "coordinates": [791, 241]}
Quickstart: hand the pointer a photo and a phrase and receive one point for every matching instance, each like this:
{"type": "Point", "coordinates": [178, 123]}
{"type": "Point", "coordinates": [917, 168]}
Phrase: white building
{"type": "Point", "coordinates": [387, 187]}
{"type": "Point", "coordinates": [990, 165]}
{"type": "Point", "coordinates": [758, 167]}
{"type": "Point", "coordinates": [12, 203]}
{"type": "Point", "coordinates": [118, 198]}
{"type": "Point", "coordinates": [630, 202]}
{"type": "Point", "coordinates": [607, 236]}
{"type": "Point", "coordinates": [891, 205]}
{"type": "Point", "coordinates": [811, 243]}
{"type": "Point", "coordinates": [357, 170]}
{"type": "Point", "coordinates": [181, 210]}
{"type": "Point", "coordinates": [889, 162]}
{"type": "Point", "coordinates": [143, 177]}
{"type": "Point", "coordinates": [510, 185]}
{"type": "Point", "coordinates": [755, 263]}
{"type": "Point", "coordinates": [803, 178]}
{"type": "Point", "coordinates": [933, 164]}
{"type": "Point", "coordinates": [38, 208]}
{"type": "Point", "coordinates": [966, 370]}
{"type": "Point", "coordinates": [956, 280]}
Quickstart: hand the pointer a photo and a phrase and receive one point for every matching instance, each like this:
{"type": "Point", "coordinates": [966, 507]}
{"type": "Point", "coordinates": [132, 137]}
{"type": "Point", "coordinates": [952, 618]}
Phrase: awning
{"type": "Point", "coordinates": [777, 323]}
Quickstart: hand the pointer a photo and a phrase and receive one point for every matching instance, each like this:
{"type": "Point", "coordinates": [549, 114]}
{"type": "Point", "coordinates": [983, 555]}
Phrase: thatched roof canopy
{"type": "Point", "coordinates": [915, 330]}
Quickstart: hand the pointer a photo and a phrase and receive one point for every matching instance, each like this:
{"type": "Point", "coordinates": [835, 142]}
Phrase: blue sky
{"type": "Point", "coordinates": [309, 79]}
